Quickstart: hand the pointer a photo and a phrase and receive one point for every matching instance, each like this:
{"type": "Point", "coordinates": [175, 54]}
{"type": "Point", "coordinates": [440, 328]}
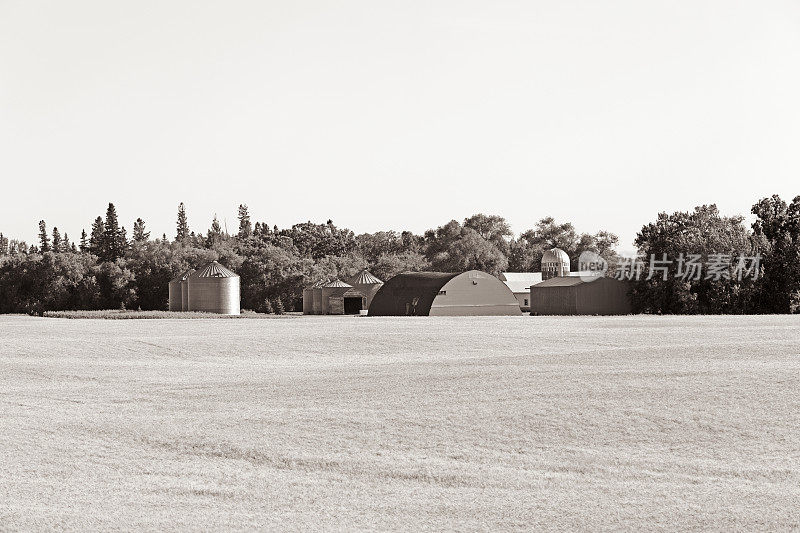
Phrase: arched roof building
{"type": "Point", "coordinates": [472, 293]}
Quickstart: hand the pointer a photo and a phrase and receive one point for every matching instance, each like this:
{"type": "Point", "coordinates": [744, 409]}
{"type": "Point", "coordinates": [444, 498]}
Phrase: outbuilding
{"type": "Point", "coordinates": [214, 289]}
{"type": "Point", "coordinates": [366, 284]}
{"type": "Point", "coordinates": [472, 293]}
{"type": "Point", "coordinates": [340, 298]}
{"type": "Point", "coordinates": [580, 296]}
{"type": "Point", "coordinates": [520, 283]}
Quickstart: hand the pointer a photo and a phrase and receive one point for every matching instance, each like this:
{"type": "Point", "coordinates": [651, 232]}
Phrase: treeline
{"type": "Point", "coordinates": [107, 269]}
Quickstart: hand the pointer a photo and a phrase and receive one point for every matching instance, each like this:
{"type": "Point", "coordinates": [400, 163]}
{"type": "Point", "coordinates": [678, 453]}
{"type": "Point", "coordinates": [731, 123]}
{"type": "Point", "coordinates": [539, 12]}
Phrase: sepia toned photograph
{"type": "Point", "coordinates": [399, 266]}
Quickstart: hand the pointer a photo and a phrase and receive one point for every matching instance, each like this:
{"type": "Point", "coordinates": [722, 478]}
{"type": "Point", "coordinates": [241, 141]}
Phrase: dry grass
{"type": "Point", "coordinates": [350, 423]}
{"type": "Point", "coordinates": [121, 314]}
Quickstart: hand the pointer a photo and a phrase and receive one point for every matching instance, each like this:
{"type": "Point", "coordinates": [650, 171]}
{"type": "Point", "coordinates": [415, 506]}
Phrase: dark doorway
{"type": "Point", "coordinates": [352, 305]}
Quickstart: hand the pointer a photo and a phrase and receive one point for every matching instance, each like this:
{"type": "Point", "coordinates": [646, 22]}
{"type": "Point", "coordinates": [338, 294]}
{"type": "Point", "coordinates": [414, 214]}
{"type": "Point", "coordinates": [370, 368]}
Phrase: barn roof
{"type": "Point", "coordinates": [365, 277]}
{"type": "Point", "coordinates": [520, 281]}
{"type": "Point", "coordinates": [214, 270]}
{"type": "Point", "coordinates": [408, 287]}
{"type": "Point", "coordinates": [570, 281]}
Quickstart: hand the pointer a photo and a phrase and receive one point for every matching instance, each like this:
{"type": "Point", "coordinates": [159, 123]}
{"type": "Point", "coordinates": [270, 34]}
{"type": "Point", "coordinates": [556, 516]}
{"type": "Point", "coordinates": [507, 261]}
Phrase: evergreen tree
{"type": "Point", "coordinates": [44, 240]}
{"type": "Point", "coordinates": [183, 226]}
{"type": "Point", "coordinates": [245, 228]}
{"type": "Point", "coordinates": [65, 244]}
{"type": "Point", "coordinates": [215, 233]}
{"type": "Point", "coordinates": [73, 248]}
{"type": "Point", "coordinates": [111, 248]}
{"type": "Point", "coordinates": [96, 240]}
{"type": "Point", "coordinates": [56, 240]}
{"type": "Point", "coordinates": [84, 242]}
{"type": "Point", "coordinates": [278, 306]}
{"type": "Point", "coordinates": [139, 233]}
{"type": "Point", "coordinates": [3, 245]}
{"type": "Point", "coordinates": [122, 243]}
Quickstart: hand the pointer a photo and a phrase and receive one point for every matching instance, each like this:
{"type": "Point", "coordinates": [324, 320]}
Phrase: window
{"type": "Point", "coordinates": [442, 293]}
{"type": "Point", "coordinates": [526, 302]}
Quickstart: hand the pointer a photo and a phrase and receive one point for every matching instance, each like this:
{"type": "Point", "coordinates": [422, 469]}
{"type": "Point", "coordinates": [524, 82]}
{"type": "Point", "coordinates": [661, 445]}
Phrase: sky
{"type": "Point", "coordinates": [394, 114]}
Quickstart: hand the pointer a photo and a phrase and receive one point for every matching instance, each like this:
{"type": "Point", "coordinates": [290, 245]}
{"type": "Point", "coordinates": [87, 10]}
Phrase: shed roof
{"type": "Point", "coordinates": [561, 281]}
{"type": "Point", "coordinates": [520, 281]}
{"type": "Point", "coordinates": [214, 270]}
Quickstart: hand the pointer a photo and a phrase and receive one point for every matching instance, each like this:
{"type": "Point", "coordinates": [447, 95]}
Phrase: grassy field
{"type": "Point", "coordinates": [414, 423]}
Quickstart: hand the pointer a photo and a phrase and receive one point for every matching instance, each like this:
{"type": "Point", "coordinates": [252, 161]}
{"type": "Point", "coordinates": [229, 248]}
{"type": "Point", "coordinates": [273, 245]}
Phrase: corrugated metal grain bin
{"type": "Point", "coordinates": [316, 299]}
{"type": "Point", "coordinates": [214, 289]}
{"type": "Point", "coordinates": [185, 289]}
{"type": "Point", "coordinates": [308, 299]}
{"type": "Point", "coordinates": [367, 284]}
{"type": "Point", "coordinates": [175, 294]}
{"type": "Point", "coordinates": [333, 294]}
{"type": "Point", "coordinates": [555, 263]}
{"type": "Point", "coordinates": [178, 292]}
{"type": "Point", "coordinates": [577, 296]}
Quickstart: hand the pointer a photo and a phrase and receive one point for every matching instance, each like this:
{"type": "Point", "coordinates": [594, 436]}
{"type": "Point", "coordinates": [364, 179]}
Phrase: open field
{"type": "Point", "coordinates": [389, 423]}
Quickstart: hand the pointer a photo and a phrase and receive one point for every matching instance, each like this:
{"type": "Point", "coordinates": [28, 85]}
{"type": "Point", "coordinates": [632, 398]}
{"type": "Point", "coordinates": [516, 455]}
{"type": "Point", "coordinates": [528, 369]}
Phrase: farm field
{"type": "Point", "coordinates": [400, 423]}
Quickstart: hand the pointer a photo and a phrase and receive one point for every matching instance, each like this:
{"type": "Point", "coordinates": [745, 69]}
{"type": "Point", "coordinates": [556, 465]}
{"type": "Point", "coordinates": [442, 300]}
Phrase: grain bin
{"type": "Point", "coordinates": [214, 289]}
{"type": "Point", "coordinates": [185, 289]}
{"type": "Point", "coordinates": [366, 284]}
{"type": "Point", "coordinates": [555, 263]}
{"type": "Point", "coordinates": [308, 298]}
{"type": "Point", "coordinates": [316, 297]}
{"type": "Point", "coordinates": [175, 294]}
{"type": "Point", "coordinates": [333, 297]}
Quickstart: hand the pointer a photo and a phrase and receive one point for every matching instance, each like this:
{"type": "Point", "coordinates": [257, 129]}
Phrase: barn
{"type": "Point", "coordinates": [520, 284]}
{"type": "Point", "coordinates": [580, 296]}
{"type": "Point", "coordinates": [214, 289]}
{"type": "Point", "coordinates": [472, 293]}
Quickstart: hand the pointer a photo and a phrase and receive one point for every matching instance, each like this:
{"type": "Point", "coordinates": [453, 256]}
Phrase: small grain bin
{"type": "Point", "coordinates": [339, 297]}
{"type": "Point", "coordinates": [366, 284]}
{"type": "Point", "coordinates": [316, 297]}
{"type": "Point", "coordinates": [214, 289]}
{"type": "Point", "coordinates": [185, 289]}
{"type": "Point", "coordinates": [308, 298]}
{"type": "Point", "coordinates": [175, 294]}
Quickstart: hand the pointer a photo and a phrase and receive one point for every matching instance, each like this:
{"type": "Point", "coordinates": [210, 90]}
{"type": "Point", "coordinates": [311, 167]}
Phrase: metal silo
{"type": "Point", "coordinates": [333, 297]}
{"type": "Point", "coordinates": [366, 284]}
{"type": "Point", "coordinates": [316, 297]}
{"type": "Point", "coordinates": [308, 298]}
{"type": "Point", "coordinates": [214, 289]}
{"type": "Point", "coordinates": [555, 263]}
{"type": "Point", "coordinates": [185, 289]}
{"type": "Point", "coordinates": [175, 294]}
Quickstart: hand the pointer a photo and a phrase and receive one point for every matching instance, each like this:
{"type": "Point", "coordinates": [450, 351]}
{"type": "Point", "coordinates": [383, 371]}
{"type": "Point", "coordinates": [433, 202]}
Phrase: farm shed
{"type": "Point", "coordinates": [366, 284]}
{"type": "Point", "coordinates": [555, 263]}
{"type": "Point", "coordinates": [519, 283]}
{"type": "Point", "coordinates": [471, 293]}
{"type": "Point", "coordinates": [340, 298]}
{"type": "Point", "coordinates": [214, 289]}
{"type": "Point", "coordinates": [179, 292]}
{"type": "Point", "coordinates": [576, 296]}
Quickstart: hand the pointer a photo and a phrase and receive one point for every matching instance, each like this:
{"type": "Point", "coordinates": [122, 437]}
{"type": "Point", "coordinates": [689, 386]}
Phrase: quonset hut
{"type": "Point", "coordinates": [214, 289]}
{"type": "Point", "coordinates": [472, 293]}
{"type": "Point", "coordinates": [578, 296]}
{"type": "Point", "coordinates": [179, 292]}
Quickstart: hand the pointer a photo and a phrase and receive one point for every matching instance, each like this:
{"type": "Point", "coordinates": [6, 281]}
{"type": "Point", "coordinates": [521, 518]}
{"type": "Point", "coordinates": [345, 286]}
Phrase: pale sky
{"type": "Point", "coordinates": [394, 115]}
